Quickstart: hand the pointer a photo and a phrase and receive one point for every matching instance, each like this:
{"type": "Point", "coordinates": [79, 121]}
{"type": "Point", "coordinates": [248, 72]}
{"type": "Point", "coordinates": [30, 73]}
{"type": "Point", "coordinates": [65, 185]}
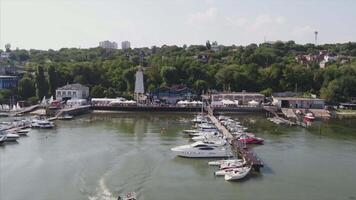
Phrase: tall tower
{"type": "Point", "coordinates": [139, 87]}
{"type": "Point", "coordinates": [316, 37]}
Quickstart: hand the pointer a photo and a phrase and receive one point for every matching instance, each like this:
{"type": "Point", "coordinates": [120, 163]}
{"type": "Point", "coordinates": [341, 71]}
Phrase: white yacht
{"type": "Point", "coordinates": [201, 149]}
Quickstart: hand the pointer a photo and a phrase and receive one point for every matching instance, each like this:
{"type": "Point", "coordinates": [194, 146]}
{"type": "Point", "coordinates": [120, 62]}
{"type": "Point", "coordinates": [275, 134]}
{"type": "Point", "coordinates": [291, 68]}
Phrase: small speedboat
{"type": "Point", "coordinates": [309, 117]}
{"type": "Point", "coordinates": [237, 174]}
{"type": "Point", "coordinates": [128, 196]}
{"type": "Point", "coordinates": [250, 140]}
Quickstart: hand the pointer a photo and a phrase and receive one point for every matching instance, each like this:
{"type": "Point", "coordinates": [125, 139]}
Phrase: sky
{"type": "Point", "coordinates": [55, 24]}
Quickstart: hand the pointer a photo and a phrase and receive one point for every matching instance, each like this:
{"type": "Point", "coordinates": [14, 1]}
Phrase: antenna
{"type": "Point", "coordinates": [316, 37]}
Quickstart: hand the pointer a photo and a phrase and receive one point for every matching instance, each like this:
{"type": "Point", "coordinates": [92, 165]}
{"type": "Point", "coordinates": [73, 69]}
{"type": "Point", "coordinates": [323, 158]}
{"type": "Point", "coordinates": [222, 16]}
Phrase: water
{"type": "Point", "coordinates": [97, 157]}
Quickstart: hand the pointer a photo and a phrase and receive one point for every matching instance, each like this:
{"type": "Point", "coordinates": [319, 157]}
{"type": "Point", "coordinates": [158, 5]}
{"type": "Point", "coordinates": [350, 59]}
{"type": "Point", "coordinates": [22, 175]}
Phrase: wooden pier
{"type": "Point", "coordinates": [240, 148]}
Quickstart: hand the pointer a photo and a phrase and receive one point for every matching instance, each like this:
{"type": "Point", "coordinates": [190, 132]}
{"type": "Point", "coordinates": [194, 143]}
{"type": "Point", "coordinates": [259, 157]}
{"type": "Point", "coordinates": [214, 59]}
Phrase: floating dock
{"type": "Point", "coordinates": [240, 148]}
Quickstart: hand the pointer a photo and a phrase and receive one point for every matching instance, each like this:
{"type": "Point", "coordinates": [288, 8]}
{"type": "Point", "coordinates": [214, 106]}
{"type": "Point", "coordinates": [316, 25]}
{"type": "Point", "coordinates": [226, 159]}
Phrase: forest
{"type": "Point", "coordinates": [265, 68]}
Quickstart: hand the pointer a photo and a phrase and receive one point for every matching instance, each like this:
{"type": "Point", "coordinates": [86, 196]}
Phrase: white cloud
{"type": "Point", "coordinates": [301, 31]}
{"type": "Point", "coordinates": [241, 21]}
{"type": "Point", "coordinates": [203, 18]}
{"type": "Point", "coordinates": [263, 21]}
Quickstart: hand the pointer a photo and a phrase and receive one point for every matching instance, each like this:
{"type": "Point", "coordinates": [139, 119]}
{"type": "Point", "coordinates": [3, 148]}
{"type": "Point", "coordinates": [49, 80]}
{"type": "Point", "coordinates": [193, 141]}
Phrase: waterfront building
{"type": "Point", "coordinates": [72, 91]}
{"type": "Point", "coordinates": [108, 45]}
{"type": "Point", "coordinates": [171, 95]}
{"type": "Point", "coordinates": [240, 98]}
{"type": "Point", "coordinates": [8, 82]}
{"type": "Point", "coordinates": [298, 102]}
{"type": "Point", "coordinates": [125, 45]}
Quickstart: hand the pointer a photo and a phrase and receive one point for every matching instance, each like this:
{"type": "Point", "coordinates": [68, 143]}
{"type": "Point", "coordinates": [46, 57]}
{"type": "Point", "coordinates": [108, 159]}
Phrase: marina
{"type": "Point", "coordinates": [132, 154]}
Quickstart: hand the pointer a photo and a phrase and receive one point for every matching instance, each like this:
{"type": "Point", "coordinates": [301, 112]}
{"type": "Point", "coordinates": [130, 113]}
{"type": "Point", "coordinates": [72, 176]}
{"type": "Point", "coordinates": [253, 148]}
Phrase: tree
{"type": "Point", "coordinates": [26, 87]}
{"type": "Point", "coordinates": [225, 77]}
{"type": "Point", "coordinates": [53, 80]}
{"type": "Point", "coordinates": [129, 76]}
{"type": "Point", "coordinates": [41, 83]}
{"type": "Point", "coordinates": [97, 91]}
{"type": "Point", "coordinates": [200, 86]}
{"type": "Point", "coordinates": [170, 75]}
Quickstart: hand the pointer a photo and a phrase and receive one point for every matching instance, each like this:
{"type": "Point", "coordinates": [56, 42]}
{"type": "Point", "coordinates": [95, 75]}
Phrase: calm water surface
{"type": "Point", "coordinates": [99, 156]}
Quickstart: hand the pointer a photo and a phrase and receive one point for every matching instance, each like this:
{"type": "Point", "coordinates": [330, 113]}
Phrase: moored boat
{"type": "Point", "coordinates": [309, 117]}
{"type": "Point", "coordinates": [237, 174]}
{"type": "Point", "coordinates": [220, 162]}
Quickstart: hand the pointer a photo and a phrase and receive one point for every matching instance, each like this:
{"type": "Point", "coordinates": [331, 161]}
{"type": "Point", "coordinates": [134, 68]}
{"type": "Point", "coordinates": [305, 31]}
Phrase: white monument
{"type": "Point", "coordinates": [139, 86]}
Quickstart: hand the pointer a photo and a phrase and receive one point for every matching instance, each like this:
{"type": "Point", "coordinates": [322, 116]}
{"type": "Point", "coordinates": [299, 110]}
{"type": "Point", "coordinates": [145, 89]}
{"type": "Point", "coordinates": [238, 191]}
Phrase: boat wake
{"type": "Point", "coordinates": [103, 192]}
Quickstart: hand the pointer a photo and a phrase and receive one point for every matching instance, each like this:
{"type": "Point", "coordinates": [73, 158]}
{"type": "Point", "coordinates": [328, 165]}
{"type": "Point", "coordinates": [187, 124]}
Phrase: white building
{"type": "Point", "coordinates": [72, 91]}
{"type": "Point", "coordinates": [108, 45]}
{"type": "Point", "coordinates": [125, 45]}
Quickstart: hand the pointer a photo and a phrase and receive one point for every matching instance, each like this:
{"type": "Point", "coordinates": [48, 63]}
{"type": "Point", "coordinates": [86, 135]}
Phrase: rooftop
{"type": "Point", "coordinates": [240, 93]}
{"type": "Point", "coordinates": [1, 76]}
{"type": "Point", "coordinates": [298, 99]}
{"type": "Point", "coordinates": [75, 86]}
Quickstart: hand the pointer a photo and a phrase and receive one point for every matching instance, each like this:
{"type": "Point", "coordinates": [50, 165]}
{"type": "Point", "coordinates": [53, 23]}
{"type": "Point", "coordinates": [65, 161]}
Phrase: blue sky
{"type": "Point", "coordinates": [44, 24]}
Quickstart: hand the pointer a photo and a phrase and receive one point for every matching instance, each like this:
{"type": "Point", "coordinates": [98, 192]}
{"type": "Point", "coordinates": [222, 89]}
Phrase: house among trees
{"type": "Point", "coordinates": [72, 91]}
{"type": "Point", "coordinates": [8, 82]}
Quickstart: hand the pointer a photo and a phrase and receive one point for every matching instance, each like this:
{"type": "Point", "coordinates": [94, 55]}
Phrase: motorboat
{"type": "Point", "coordinates": [199, 119]}
{"type": "Point", "coordinates": [206, 143]}
{"type": "Point", "coordinates": [231, 170]}
{"type": "Point", "coordinates": [206, 126]}
{"type": "Point", "coordinates": [23, 131]}
{"type": "Point", "coordinates": [220, 162]}
{"type": "Point", "coordinates": [206, 149]}
{"type": "Point", "coordinates": [202, 133]}
{"type": "Point", "coordinates": [309, 117]}
{"type": "Point", "coordinates": [128, 196]}
{"type": "Point", "coordinates": [188, 131]}
{"type": "Point", "coordinates": [207, 136]}
{"type": "Point", "coordinates": [203, 152]}
{"type": "Point", "coordinates": [65, 117]}
{"type": "Point", "coordinates": [250, 140]}
{"type": "Point", "coordinates": [11, 137]}
{"type": "Point", "coordinates": [237, 174]}
{"type": "Point", "coordinates": [40, 123]}
{"type": "Point", "coordinates": [233, 164]}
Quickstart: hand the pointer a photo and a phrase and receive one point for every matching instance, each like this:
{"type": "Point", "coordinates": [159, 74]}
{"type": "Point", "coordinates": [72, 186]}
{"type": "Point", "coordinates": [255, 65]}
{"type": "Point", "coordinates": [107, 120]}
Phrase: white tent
{"type": "Point", "coordinates": [130, 102]}
{"type": "Point", "coordinates": [227, 102]}
{"type": "Point", "coordinates": [236, 102]}
{"type": "Point", "coordinates": [253, 103]}
{"type": "Point", "coordinates": [199, 102]}
{"type": "Point", "coordinates": [182, 102]}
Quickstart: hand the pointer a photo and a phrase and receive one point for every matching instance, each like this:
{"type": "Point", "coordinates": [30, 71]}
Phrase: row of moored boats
{"type": "Point", "coordinates": [209, 142]}
{"type": "Point", "coordinates": [13, 130]}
